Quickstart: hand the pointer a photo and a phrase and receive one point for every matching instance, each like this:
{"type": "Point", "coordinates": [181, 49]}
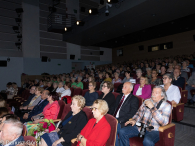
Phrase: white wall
{"type": "Point", "coordinates": [73, 49]}
{"type": "Point", "coordinates": [11, 73]}
{"type": "Point", "coordinates": [107, 54]}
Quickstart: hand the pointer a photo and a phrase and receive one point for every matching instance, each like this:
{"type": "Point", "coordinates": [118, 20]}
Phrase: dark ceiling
{"type": "Point", "coordinates": [134, 21]}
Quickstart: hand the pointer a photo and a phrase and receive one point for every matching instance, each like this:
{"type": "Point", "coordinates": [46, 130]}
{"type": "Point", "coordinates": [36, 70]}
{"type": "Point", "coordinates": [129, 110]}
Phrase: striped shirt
{"type": "Point", "coordinates": [154, 117]}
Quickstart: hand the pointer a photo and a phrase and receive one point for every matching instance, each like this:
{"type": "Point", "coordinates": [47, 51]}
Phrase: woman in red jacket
{"type": "Point", "coordinates": [97, 130]}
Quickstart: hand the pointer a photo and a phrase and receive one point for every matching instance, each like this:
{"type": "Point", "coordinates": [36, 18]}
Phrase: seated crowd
{"type": "Point", "coordinates": [157, 82]}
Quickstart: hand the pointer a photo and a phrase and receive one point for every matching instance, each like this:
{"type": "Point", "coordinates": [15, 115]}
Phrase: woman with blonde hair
{"type": "Point", "coordinates": [143, 89]}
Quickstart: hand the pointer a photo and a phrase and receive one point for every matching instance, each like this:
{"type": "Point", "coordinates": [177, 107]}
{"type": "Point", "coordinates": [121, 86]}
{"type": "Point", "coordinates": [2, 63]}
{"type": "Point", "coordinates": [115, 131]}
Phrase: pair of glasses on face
{"type": "Point", "coordinates": [164, 78]}
{"type": "Point", "coordinates": [93, 108]}
{"type": "Point", "coordinates": [104, 86]}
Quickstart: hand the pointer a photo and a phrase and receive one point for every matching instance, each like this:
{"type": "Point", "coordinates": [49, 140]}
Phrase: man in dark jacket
{"type": "Point", "coordinates": [125, 108]}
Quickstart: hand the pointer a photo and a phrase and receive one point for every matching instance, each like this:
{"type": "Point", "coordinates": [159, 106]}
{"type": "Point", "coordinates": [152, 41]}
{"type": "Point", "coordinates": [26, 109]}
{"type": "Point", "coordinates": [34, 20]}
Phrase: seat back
{"type": "Point", "coordinates": [86, 85]}
{"type": "Point", "coordinates": [152, 86]}
{"type": "Point", "coordinates": [30, 140]}
{"type": "Point", "coordinates": [99, 92]}
{"type": "Point", "coordinates": [98, 85]}
{"type": "Point", "coordinates": [184, 86]}
{"type": "Point", "coordinates": [115, 94]}
{"type": "Point", "coordinates": [72, 91]}
{"type": "Point", "coordinates": [170, 117]}
{"type": "Point", "coordinates": [66, 110]}
{"type": "Point", "coordinates": [141, 100]}
{"type": "Point", "coordinates": [113, 124]}
{"type": "Point", "coordinates": [84, 91]}
{"type": "Point", "coordinates": [61, 104]}
{"type": "Point", "coordinates": [68, 98]}
{"type": "Point", "coordinates": [189, 74]}
{"type": "Point", "coordinates": [78, 91]}
{"type": "Point", "coordinates": [88, 112]}
{"type": "Point", "coordinates": [116, 86]}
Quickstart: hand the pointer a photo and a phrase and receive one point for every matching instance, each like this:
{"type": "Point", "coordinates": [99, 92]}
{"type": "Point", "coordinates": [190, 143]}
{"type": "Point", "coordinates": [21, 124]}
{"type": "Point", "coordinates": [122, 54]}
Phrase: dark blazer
{"type": "Point", "coordinates": [18, 141]}
{"type": "Point", "coordinates": [73, 127]}
{"type": "Point", "coordinates": [128, 109]}
{"type": "Point", "coordinates": [110, 99]}
{"type": "Point", "coordinates": [28, 100]}
{"type": "Point", "coordinates": [179, 82]}
{"type": "Point", "coordinates": [49, 88]}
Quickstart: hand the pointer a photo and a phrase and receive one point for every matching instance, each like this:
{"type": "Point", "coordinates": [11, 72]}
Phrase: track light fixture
{"type": "Point", "coordinates": [93, 11]}
{"type": "Point", "coordinates": [80, 23]}
{"type": "Point", "coordinates": [66, 29]}
{"type": "Point", "coordinates": [112, 1]}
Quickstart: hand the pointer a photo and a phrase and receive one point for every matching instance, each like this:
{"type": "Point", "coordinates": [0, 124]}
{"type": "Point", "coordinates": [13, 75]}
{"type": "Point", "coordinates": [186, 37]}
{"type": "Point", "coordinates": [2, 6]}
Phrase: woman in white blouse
{"type": "Point", "coordinates": [172, 91]}
{"type": "Point", "coordinates": [67, 91]}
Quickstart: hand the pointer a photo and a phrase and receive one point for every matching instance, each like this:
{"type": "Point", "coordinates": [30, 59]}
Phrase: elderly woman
{"type": "Point", "coordinates": [184, 67]}
{"type": "Point", "coordinates": [116, 78]}
{"type": "Point", "coordinates": [97, 130]}
{"type": "Point", "coordinates": [91, 95]}
{"type": "Point", "coordinates": [154, 80]}
{"type": "Point", "coordinates": [172, 91]}
{"type": "Point", "coordinates": [55, 86]}
{"type": "Point", "coordinates": [49, 112]}
{"type": "Point", "coordinates": [60, 88]}
{"type": "Point", "coordinates": [149, 73]}
{"type": "Point", "coordinates": [127, 77]}
{"type": "Point", "coordinates": [70, 127]}
{"type": "Point", "coordinates": [67, 91]}
{"type": "Point", "coordinates": [108, 96]}
{"type": "Point", "coordinates": [138, 74]}
{"type": "Point", "coordinates": [170, 69]}
{"type": "Point", "coordinates": [143, 89]}
{"type": "Point", "coordinates": [79, 83]}
{"type": "Point", "coordinates": [73, 83]}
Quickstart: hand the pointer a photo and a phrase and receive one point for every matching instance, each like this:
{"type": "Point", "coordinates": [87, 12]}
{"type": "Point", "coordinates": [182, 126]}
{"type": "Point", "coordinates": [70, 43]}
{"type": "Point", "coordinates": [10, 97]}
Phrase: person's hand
{"type": "Point", "coordinates": [56, 143]}
{"type": "Point", "coordinates": [149, 104]}
{"type": "Point", "coordinates": [173, 102]}
{"type": "Point", "coordinates": [78, 137]}
{"type": "Point", "coordinates": [36, 121]}
{"type": "Point", "coordinates": [25, 107]}
{"type": "Point", "coordinates": [132, 122]}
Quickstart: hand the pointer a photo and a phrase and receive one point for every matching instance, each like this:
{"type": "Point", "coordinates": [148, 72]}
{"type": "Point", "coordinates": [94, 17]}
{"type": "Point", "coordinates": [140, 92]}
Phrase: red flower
{"type": "Point", "coordinates": [45, 125]}
{"type": "Point", "coordinates": [35, 132]}
{"type": "Point", "coordinates": [51, 127]}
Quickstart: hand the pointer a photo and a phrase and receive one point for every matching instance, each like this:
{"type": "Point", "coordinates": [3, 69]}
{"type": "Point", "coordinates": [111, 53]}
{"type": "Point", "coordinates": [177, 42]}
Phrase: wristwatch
{"type": "Point", "coordinates": [81, 138]}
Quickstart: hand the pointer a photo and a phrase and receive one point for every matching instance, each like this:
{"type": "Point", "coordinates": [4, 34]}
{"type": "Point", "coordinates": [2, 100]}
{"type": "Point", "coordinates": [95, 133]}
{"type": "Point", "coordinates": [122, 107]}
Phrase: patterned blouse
{"type": "Point", "coordinates": [157, 82]}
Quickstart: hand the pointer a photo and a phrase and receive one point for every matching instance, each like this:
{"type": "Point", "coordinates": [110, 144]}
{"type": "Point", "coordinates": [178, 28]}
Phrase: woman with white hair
{"type": "Point", "coordinates": [138, 74]}
{"type": "Point", "coordinates": [184, 67]}
{"type": "Point", "coordinates": [116, 78]}
{"type": "Point", "coordinates": [79, 83]}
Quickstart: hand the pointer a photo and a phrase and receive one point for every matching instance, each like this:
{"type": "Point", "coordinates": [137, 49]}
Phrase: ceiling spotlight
{"type": "Point", "coordinates": [66, 29]}
{"type": "Point", "coordinates": [112, 1]}
{"type": "Point", "coordinates": [106, 12]}
{"type": "Point", "coordinates": [93, 11]}
{"type": "Point", "coordinates": [80, 23]}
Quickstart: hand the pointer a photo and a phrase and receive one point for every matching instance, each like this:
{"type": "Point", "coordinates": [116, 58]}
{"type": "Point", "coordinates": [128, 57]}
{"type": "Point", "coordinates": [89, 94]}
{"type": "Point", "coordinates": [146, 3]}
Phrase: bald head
{"type": "Point", "coordinates": [127, 88]}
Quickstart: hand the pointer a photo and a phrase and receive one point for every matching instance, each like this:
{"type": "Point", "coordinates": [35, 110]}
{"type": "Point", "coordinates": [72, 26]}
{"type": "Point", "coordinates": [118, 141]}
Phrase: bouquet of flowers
{"type": "Point", "coordinates": [42, 128]}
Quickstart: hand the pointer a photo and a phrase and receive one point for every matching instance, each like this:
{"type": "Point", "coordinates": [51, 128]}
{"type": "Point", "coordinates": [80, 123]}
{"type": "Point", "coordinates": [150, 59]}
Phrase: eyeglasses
{"type": "Point", "coordinates": [90, 85]}
{"type": "Point", "coordinates": [104, 86]}
{"type": "Point", "coordinates": [164, 78]}
{"type": "Point", "coordinates": [93, 108]}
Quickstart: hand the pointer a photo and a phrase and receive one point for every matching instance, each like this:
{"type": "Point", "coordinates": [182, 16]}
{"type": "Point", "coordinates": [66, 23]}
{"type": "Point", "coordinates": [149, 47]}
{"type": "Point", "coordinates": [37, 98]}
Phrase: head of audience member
{"type": "Point", "coordinates": [3, 102]}
{"type": "Point", "coordinates": [36, 81]}
{"type": "Point", "coordinates": [138, 73]}
{"type": "Point", "coordinates": [63, 78]}
{"type": "Point", "coordinates": [143, 81]}
{"type": "Point", "coordinates": [67, 79]}
{"type": "Point", "coordinates": [3, 111]}
{"type": "Point", "coordinates": [158, 93]}
{"type": "Point", "coordinates": [14, 85]}
{"type": "Point", "coordinates": [73, 79]}
{"type": "Point", "coordinates": [116, 75]}
{"type": "Point", "coordinates": [107, 87]}
{"type": "Point", "coordinates": [53, 96]}
{"type": "Point", "coordinates": [128, 68]}
{"type": "Point", "coordinates": [86, 75]}
{"type": "Point", "coordinates": [167, 79]}
{"type": "Point", "coordinates": [44, 94]}
{"type": "Point", "coordinates": [92, 86]}
{"type": "Point", "coordinates": [91, 79]}
{"type": "Point", "coordinates": [108, 75]}
{"type": "Point", "coordinates": [99, 109]}
{"type": "Point", "coordinates": [184, 65]}
{"type": "Point", "coordinates": [79, 79]}
{"type": "Point", "coordinates": [163, 70]}
{"type": "Point", "coordinates": [9, 85]}
{"type": "Point", "coordinates": [174, 63]}
{"type": "Point", "coordinates": [49, 84]}
{"type": "Point", "coordinates": [154, 74]}
{"type": "Point", "coordinates": [67, 85]}
{"type": "Point", "coordinates": [127, 74]}
{"type": "Point", "coordinates": [142, 64]}
{"type": "Point", "coordinates": [176, 73]}
{"type": "Point", "coordinates": [164, 63]}
{"type": "Point", "coordinates": [178, 67]}
{"type": "Point", "coordinates": [100, 75]}
{"type": "Point", "coordinates": [170, 66]}
{"type": "Point", "coordinates": [147, 66]}
{"type": "Point", "coordinates": [60, 84]}
{"type": "Point", "coordinates": [167, 60]}
{"type": "Point", "coordinates": [78, 103]}
{"type": "Point", "coordinates": [127, 88]}
{"type": "Point", "coordinates": [149, 71]}
{"type": "Point", "coordinates": [40, 82]}
{"type": "Point", "coordinates": [55, 85]}
{"type": "Point", "coordinates": [104, 74]}
{"type": "Point", "coordinates": [54, 79]}
{"type": "Point", "coordinates": [158, 67]}
{"type": "Point", "coordinates": [58, 79]}
{"type": "Point", "coordinates": [153, 64]}
{"type": "Point", "coordinates": [32, 90]}
{"type": "Point", "coordinates": [11, 130]}
{"type": "Point", "coordinates": [39, 91]}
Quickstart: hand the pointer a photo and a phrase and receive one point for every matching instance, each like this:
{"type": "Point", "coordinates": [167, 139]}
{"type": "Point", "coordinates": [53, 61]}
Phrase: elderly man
{"type": "Point", "coordinates": [37, 109]}
{"type": "Point", "coordinates": [183, 73]}
{"type": "Point", "coordinates": [125, 108]}
{"type": "Point", "coordinates": [10, 134]}
{"type": "Point", "coordinates": [154, 112]}
{"type": "Point", "coordinates": [178, 80]}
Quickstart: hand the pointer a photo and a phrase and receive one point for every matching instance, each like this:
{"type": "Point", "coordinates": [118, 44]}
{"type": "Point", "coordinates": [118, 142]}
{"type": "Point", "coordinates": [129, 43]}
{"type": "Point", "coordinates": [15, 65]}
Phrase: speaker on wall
{"type": "Point", "coordinates": [72, 57]}
{"type": "Point", "coordinates": [3, 63]}
{"type": "Point", "coordinates": [101, 52]}
{"type": "Point", "coordinates": [44, 58]}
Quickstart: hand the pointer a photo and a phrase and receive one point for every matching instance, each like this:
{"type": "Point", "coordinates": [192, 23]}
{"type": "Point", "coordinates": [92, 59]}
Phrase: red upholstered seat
{"type": "Point", "coordinates": [141, 100]}
{"type": "Point", "coordinates": [152, 86]}
{"type": "Point", "coordinates": [116, 86]}
{"type": "Point", "coordinates": [189, 74]}
{"type": "Point", "coordinates": [184, 96]}
{"type": "Point", "coordinates": [69, 99]}
{"type": "Point", "coordinates": [115, 94]}
{"type": "Point", "coordinates": [192, 92]}
{"type": "Point", "coordinates": [61, 104]}
{"type": "Point", "coordinates": [98, 85]}
{"type": "Point", "coordinates": [30, 140]}
{"type": "Point", "coordinates": [84, 91]}
{"type": "Point", "coordinates": [99, 92]}
{"type": "Point", "coordinates": [86, 84]}
{"type": "Point", "coordinates": [78, 91]}
{"type": "Point", "coordinates": [66, 110]}
{"type": "Point", "coordinates": [72, 91]}
{"type": "Point", "coordinates": [166, 134]}
{"type": "Point", "coordinates": [88, 112]}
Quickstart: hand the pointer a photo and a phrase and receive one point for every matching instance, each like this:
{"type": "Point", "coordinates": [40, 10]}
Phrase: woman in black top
{"type": "Point", "coordinates": [70, 127]}
{"type": "Point", "coordinates": [108, 96]}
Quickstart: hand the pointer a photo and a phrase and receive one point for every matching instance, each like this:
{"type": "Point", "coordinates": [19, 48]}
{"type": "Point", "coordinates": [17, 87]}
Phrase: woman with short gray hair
{"type": "Point", "coordinates": [116, 78]}
{"type": "Point", "coordinates": [138, 74]}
